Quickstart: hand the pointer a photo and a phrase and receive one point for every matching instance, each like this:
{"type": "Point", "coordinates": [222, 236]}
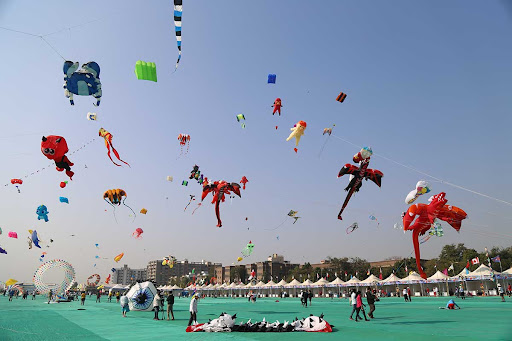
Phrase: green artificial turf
{"type": "Point", "coordinates": [481, 318]}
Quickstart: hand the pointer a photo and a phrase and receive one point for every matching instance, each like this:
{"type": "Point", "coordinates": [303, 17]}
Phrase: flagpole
{"type": "Point", "coordinates": [502, 279]}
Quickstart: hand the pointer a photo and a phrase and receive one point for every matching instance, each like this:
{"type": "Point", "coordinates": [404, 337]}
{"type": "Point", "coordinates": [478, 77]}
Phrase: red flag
{"type": "Point", "coordinates": [406, 271]}
{"type": "Point", "coordinates": [380, 274]}
{"type": "Point", "coordinates": [327, 275]}
{"type": "Point", "coordinates": [445, 271]}
{"type": "Point", "coordinates": [467, 265]}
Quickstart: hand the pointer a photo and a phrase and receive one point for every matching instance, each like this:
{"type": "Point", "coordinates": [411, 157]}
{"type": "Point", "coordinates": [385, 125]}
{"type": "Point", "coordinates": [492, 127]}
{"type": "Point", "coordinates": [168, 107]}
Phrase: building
{"type": "Point", "coordinates": [161, 274]}
{"type": "Point", "coordinates": [125, 275]}
{"type": "Point", "coordinates": [275, 268]}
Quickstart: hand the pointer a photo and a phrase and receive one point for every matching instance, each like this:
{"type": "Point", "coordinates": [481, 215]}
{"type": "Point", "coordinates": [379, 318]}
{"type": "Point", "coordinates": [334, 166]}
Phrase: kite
{"type": "Point", "coordinates": [97, 245]}
{"type": "Point", "coordinates": [178, 8]}
{"type": "Point", "coordinates": [327, 131]}
{"type": "Point", "coordinates": [107, 280]}
{"type": "Point", "coordinates": [34, 237]}
{"type": "Point", "coordinates": [29, 240]}
{"type": "Point", "coordinates": [295, 219]}
{"type": "Point", "coordinates": [138, 233]}
{"type": "Point", "coordinates": [42, 213]}
{"type": "Point", "coordinates": [196, 174]}
{"type": "Point", "coordinates": [297, 132]}
{"type": "Point", "coordinates": [64, 200]}
{"type": "Point", "coordinates": [55, 148]}
{"type": "Point", "coordinates": [372, 217]}
{"type": "Point", "coordinates": [248, 249]}
{"type": "Point", "coordinates": [12, 234]}
{"type": "Point", "coordinates": [426, 215]}
{"type": "Point", "coordinates": [10, 282]}
{"type": "Point", "coordinates": [169, 178]}
{"type": "Point", "coordinates": [192, 197]}
{"type": "Point", "coordinates": [3, 251]}
{"type": "Point", "coordinates": [422, 187]}
{"type": "Point", "coordinates": [42, 256]}
{"type": "Point", "coordinates": [113, 270]}
{"type": "Point", "coordinates": [292, 213]}
{"type": "Point", "coordinates": [141, 295]}
{"type": "Point", "coordinates": [108, 143]}
{"type": "Point", "coordinates": [118, 257]}
{"type": "Point", "coordinates": [184, 140]}
{"type": "Point", "coordinates": [95, 280]}
{"type": "Point", "coordinates": [271, 78]}
{"type": "Point", "coordinates": [63, 184]}
{"type": "Point", "coordinates": [357, 174]}
{"type": "Point", "coordinates": [84, 82]}
{"type": "Point", "coordinates": [91, 116]}
{"type": "Point", "coordinates": [241, 117]}
{"type": "Point", "coordinates": [145, 71]}
{"type": "Point", "coordinates": [115, 197]}
{"type": "Point", "coordinates": [341, 97]}
{"type": "Point", "coordinates": [239, 259]}
{"type": "Point", "coordinates": [0, 230]}
{"type": "Point", "coordinates": [17, 182]}
{"type": "Point", "coordinates": [169, 261]}
{"type": "Point", "coordinates": [352, 228]}
{"type": "Point", "coordinates": [436, 230]}
{"type": "Point", "coordinates": [277, 106]}
{"type": "Point", "coordinates": [143, 211]}
{"type": "Point", "coordinates": [219, 189]}
{"type": "Point", "coordinates": [67, 282]}
{"type": "Point", "coordinates": [244, 181]}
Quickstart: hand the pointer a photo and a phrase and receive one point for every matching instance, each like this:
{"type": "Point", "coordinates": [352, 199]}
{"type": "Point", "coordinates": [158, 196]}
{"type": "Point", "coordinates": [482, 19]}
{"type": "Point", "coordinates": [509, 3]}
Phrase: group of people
{"type": "Point", "coordinates": [158, 305]}
{"type": "Point", "coordinates": [407, 294]}
{"type": "Point", "coordinates": [304, 296]}
{"type": "Point", "coordinates": [356, 300]}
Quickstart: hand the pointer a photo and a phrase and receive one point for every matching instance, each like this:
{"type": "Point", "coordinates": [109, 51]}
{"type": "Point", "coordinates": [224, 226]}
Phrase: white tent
{"type": "Point", "coordinates": [260, 284]}
{"type": "Point", "coordinates": [307, 283]}
{"type": "Point", "coordinates": [321, 282]}
{"type": "Point", "coordinates": [481, 272]}
{"type": "Point", "coordinates": [392, 279]}
{"type": "Point", "coordinates": [371, 280]}
{"type": "Point", "coordinates": [413, 277]}
{"type": "Point", "coordinates": [270, 284]}
{"type": "Point", "coordinates": [336, 282]}
{"type": "Point", "coordinates": [438, 276]}
{"type": "Point", "coordinates": [232, 285]}
{"type": "Point", "coordinates": [293, 283]}
{"type": "Point", "coordinates": [508, 272]}
{"type": "Point", "coordinates": [282, 283]}
{"type": "Point", "coordinates": [175, 287]}
{"type": "Point", "coordinates": [117, 287]}
{"type": "Point", "coordinates": [462, 274]}
{"type": "Point", "coordinates": [353, 281]}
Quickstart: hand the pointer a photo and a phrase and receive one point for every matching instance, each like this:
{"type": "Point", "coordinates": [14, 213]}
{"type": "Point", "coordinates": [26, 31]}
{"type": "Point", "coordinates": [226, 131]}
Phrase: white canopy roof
{"type": "Point", "coordinates": [337, 281]}
{"type": "Point", "coordinates": [175, 287]}
{"type": "Point", "coordinates": [293, 283]}
{"type": "Point", "coordinates": [321, 282]}
{"type": "Point", "coordinates": [483, 270]}
{"type": "Point", "coordinates": [391, 278]}
{"type": "Point", "coordinates": [307, 283]}
{"type": "Point", "coordinates": [353, 280]}
{"type": "Point", "coordinates": [371, 279]}
{"type": "Point", "coordinates": [413, 277]}
{"type": "Point", "coordinates": [508, 272]}
{"type": "Point", "coordinates": [282, 283]}
{"type": "Point", "coordinates": [438, 276]}
{"type": "Point", "coordinates": [232, 285]}
{"type": "Point", "coordinates": [270, 284]}
{"type": "Point", "coordinates": [260, 284]}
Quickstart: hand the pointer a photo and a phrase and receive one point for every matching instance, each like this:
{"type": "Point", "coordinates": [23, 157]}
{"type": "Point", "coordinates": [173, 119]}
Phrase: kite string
{"type": "Point", "coordinates": [430, 176]}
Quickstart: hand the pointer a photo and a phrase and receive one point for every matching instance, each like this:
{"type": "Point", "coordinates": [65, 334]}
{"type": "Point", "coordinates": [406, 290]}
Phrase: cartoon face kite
{"type": "Point", "coordinates": [169, 261]}
{"type": "Point", "coordinates": [244, 181]}
{"type": "Point", "coordinates": [84, 82]}
{"type": "Point", "coordinates": [426, 215]}
{"type": "Point", "coordinates": [297, 132]}
{"type": "Point", "coordinates": [422, 187]}
{"type": "Point", "coordinates": [277, 106]}
{"type": "Point", "coordinates": [55, 148]}
{"type": "Point", "coordinates": [108, 143]}
{"type": "Point", "coordinates": [219, 190]}
{"type": "Point", "coordinates": [42, 213]}
{"type": "Point", "coordinates": [248, 249]}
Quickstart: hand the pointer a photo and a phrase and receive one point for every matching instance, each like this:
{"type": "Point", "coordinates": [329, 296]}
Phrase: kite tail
{"type": "Point", "coordinates": [198, 205]}
{"type": "Point", "coordinates": [134, 215]}
{"type": "Point", "coordinates": [107, 144]}
{"type": "Point", "coordinates": [345, 203]}
{"type": "Point", "coordinates": [117, 155]}
{"type": "Point", "coordinates": [217, 213]}
{"type": "Point", "coordinates": [415, 235]}
{"type": "Point", "coordinates": [114, 211]}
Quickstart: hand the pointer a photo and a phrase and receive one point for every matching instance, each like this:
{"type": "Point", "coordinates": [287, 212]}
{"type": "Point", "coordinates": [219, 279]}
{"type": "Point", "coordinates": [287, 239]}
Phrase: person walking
{"type": "Point", "coordinates": [310, 296]}
{"type": "Point", "coordinates": [404, 293]}
{"type": "Point", "coordinates": [501, 292]}
{"type": "Point", "coordinates": [124, 305]}
{"type": "Point", "coordinates": [353, 302]}
{"type": "Point", "coordinates": [82, 298]}
{"type": "Point", "coordinates": [170, 303]}
{"type": "Point", "coordinates": [156, 305]}
{"type": "Point", "coordinates": [118, 296]}
{"type": "Point", "coordinates": [110, 296]}
{"type": "Point", "coordinates": [409, 294]}
{"type": "Point", "coordinates": [98, 297]}
{"type": "Point", "coordinates": [33, 295]}
{"type": "Point", "coordinates": [50, 296]}
{"type": "Point", "coordinates": [370, 299]}
{"type": "Point", "coordinates": [360, 307]}
{"type": "Point", "coordinates": [509, 290]}
{"type": "Point", "coordinates": [11, 294]}
{"type": "Point", "coordinates": [193, 310]}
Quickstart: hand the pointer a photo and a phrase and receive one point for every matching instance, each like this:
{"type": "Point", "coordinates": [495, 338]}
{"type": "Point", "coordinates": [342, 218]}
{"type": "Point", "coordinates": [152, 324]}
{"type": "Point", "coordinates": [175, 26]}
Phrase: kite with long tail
{"type": "Point", "coordinates": [192, 197]}
{"type": "Point", "coordinates": [108, 143]}
{"type": "Point", "coordinates": [219, 190]}
{"type": "Point", "coordinates": [178, 7]}
{"type": "Point", "coordinates": [358, 174]}
{"type": "Point", "coordinates": [114, 197]}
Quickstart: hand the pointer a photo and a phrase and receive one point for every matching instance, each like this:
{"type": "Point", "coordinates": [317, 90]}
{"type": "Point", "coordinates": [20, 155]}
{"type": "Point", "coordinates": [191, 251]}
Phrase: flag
{"type": "Point", "coordinates": [467, 265]}
{"type": "Point", "coordinates": [451, 268]}
{"type": "Point", "coordinates": [406, 271]}
{"type": "Point", "coordinates": [488, 259]}
{"type": "Point", "coordinates": [368, 272]}
{"type": "Point", "coordinates": [327, 275]}
{"type": "Point", "coordinates": [445, 271]}
{"type": "Point", "coordinates": [356, 273]}
{"type": "Point", "coordinates": [467, 271]}
{"type": "Point", "coordinates": [335, 274]}
{"type": "Point", "coordinates": [317, 276]}
{"type": "Point", "coordinates": [380, 274]}
{"type": "Point", "coordinates": [496, 259]}
{"type": "Point", "coordinates": [345, 275]}
{"type": "Point", "coordinates": [475, 261]}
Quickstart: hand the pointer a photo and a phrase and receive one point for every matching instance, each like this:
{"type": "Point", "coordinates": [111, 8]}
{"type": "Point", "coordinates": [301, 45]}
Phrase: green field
{"type": "Point", "coordinates": [482, 318]}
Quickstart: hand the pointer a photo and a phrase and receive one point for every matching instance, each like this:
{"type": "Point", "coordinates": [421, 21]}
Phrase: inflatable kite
{"type": "Point", "coordinates": [297, 132]}
{"type": "Point", "coordinates": [352, 228]}
{"type": "Point", "coordinates": [108, 143]}
{"type": "Point", "coordinates": [169, 178]}
{"type": "Point", "coordinates": [64, 286]}
{"type": "Point", "coordinates": [219, 190]}
{"type": "Point", "coordinates": [107, 280]}
{"type": "Point", "coordinates": [115, 197]}
{"type": "Point", "coordinates": [118, 257]}
{"type": "Point", "coordinates": [271, 78]}
{"type": "Point", "coordinates": [42, 213]}
{"type": "Point", "coordinates": [248, 249]}
{"type": "Point", "coordinates": [244, 181]}
{"type": "Point", "coordinates": [93, 280]}
{"type": "Point", "coordinates": [91, 116]}
{"type": "Point", "coordinates": [169, 261]}
{"type": "Point", "coordinates": [12, 234]}
{"type": "Point", "coordinates": [327, 131]}
{"type": "Point", "coordinates": [84, 82]}
{"type": "Point", "coordinates": [3, 251]}
{"type": "Point", "coordinates": [341, 97]}
{"type": "Point", "coordinates": [241, 117]}
{"type": "Point", "coordinates": [358, 174]}
{"type": "Point", "coordinates": [422, 187]}
{"type": "Point", "coordinates": [138, 233]}
{"type": "Point", "coordinates": [184, 140]}
{"type": "Point", "coordinates": [17, 182]}
{"type": "Point", "coordinates": [277, 106]}
{"type": "Point", "coordinates": [196, 174]}
{"type": "Point", "coordinates": [145, 71]}
{"type": "Point", "coordinates": [143, 211]}
{"type": "Point", "coordinates": [140, 296]}
{"type": "Point", "coordinates": [178, 8]}
{"type": "Point", "coordinates": [372, 217]}
{"type": "Point", "coordinates": [34, 237]}
{"type": "Point", "coordinates": [63, 184]}
{"type": "Point", "coordinates": [55, 148]}
{"type": "Point", "coordinates": [64, 200]}
{"type": "Point", "coordinates": [426, 215]}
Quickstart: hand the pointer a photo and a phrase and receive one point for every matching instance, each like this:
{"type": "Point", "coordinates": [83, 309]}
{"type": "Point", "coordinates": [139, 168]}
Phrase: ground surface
{"type": "Point", "coordinates": [480, 319]}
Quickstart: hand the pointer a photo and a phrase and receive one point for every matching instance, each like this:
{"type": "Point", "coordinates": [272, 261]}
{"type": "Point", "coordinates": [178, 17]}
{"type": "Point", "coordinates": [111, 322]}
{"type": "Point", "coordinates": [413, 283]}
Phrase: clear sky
{"type": "Point", "coordinates": [428, 85]}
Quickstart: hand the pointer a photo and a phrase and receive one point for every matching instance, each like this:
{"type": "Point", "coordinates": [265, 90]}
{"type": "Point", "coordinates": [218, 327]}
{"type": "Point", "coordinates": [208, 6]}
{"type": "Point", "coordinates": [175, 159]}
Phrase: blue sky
{"type": "Point", "coordinates": [428, 85]}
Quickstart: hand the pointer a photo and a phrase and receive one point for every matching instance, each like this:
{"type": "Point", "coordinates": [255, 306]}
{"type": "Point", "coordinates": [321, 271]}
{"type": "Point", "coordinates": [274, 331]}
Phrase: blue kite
{"type": "Point", "coordinates": [84, 82]}
{"type": "Point", "coordinates": [64, 199]}
{"type": "Point", "coordinates": [42, 213]}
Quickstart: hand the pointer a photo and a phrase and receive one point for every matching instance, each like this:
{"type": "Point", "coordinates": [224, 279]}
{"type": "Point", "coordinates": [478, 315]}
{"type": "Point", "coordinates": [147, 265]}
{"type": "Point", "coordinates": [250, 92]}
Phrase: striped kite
{"type": "Point", "coordinates": [178, 6]}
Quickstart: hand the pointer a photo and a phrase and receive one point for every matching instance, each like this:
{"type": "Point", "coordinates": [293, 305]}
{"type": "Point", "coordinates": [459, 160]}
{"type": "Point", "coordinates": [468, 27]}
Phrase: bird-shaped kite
{"type": "Point", "coordinates": [108, 143]}
{"type": "Point", "coordinates": [219, 189]}
{"type": "Point", "coordinates": [427, 215]}
{"type": "Point", "coordinates": [358, 174]}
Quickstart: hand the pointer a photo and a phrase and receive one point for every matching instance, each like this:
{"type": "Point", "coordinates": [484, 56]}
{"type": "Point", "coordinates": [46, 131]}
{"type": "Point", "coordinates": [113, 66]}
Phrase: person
{"type": "Point", "coordinates": [110, 296]}
{"type": "Point", "coordinates": [353, 302]}
{"type": "Point", "coordinates": [50, 296]}
{"type": "Point", "coordinates": [33, 295]}
{"type": "Point", "coordinates": [409, 294]}
{"type": "Point", "coordinates": [193, 310]}
{"type": "Point", "coordinates": [451, 305]}
{"type": "Point", "coordinates": [82, 296]}
{"type": "Point", "coordinates": [124, 305]}
{"type": "Point", "coordinates": [118, 296]}
{"type": "Point", "coordinates": [509, 290]}
{"type": "Point", "coordinates": [98, 297]}
{"type": "Point", "coordinates": [170, 303]}
{"type": "Point", "coordinates": [501, 292]}
{"type": "Point", "coordinates": [462, 294]}
{"type": "Point", "coordinates": [370, 299]}
{"type": "Point", "coordinates": [428, 291]}
{"type": "Point", "coordinates": [404, 293]}
{"type": "Point", "coordinates": [156, 305]}
{"type": "Point", "coordinates": [11, 294]}
{"type": "Point", "coordinates": [360, 307]}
